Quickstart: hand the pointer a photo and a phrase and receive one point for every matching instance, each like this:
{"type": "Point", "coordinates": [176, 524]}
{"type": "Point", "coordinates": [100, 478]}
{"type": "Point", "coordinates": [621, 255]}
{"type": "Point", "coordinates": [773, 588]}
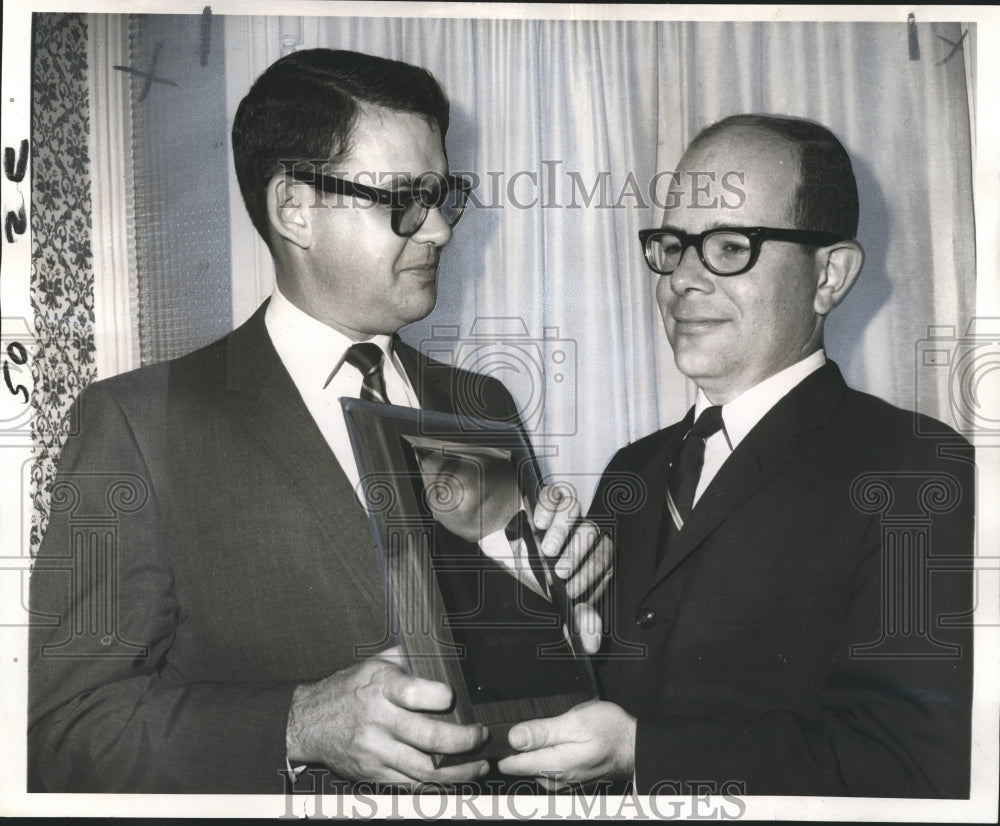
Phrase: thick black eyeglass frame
{"type": "Point", "coordinates": [397, 200]}
{"type": "Point", "coordinates": [755, 235]}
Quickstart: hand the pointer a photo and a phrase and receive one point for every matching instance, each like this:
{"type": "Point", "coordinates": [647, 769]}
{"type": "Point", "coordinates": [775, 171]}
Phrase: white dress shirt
{"type": "Point", "coordinates": [741, 414]}
{"type": "Point", "coordinates": [513, 555]}
{"type": "Point", "coordinates": [313, 353]}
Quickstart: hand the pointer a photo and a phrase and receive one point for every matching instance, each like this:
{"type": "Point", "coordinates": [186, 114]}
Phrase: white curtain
{"type": "Point", "coordinates": [906, 124]}
{"type": "Point", "coordinates": [553, 296]}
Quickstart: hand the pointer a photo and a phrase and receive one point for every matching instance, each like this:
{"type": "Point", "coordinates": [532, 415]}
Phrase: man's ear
{"type": "Point", "coordinates": [839, 266]}
{"type": "Point", "coordinates": [289, 212]}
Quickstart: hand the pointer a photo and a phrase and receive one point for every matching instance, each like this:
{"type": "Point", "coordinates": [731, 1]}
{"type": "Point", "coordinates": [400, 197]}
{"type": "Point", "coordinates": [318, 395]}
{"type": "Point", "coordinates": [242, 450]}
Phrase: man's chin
{"type": "Point", "coordinates": [695, 364]}
{"type": "Point", "coordinates": [419, 307]}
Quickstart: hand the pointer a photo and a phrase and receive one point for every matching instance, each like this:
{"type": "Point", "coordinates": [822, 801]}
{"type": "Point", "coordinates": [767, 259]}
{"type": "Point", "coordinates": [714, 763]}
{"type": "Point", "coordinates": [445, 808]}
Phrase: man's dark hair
{"type": "Point", "coordinates": [827, 195]}
{"type": "Point", "coordinates": [304, 108]}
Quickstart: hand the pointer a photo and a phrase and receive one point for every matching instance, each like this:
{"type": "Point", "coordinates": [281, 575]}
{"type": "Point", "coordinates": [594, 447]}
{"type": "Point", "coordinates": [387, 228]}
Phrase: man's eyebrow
{"type": "Point", "coordinates": [713, 226]}
{"type": "Point", "coordinates": [727, 225]}
{"type": "Point", "coordinates": [380, 180]}
{"type": "Point", "coordinates": [406, 179]}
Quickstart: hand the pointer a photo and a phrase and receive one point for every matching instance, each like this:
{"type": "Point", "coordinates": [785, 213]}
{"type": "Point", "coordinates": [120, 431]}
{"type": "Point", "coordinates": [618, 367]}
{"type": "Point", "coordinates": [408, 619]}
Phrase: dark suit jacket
{"type": "Point", "coordinates": [511, 639]}
{"type": "Point", "coordinates": [205, 553]}
{"type": "Point", "coordinates": [784, 643]}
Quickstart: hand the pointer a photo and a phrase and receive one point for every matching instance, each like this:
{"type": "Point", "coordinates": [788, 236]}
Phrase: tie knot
{"type": "Point", "coordinates": [365, 356]}
{"type": "Point", "coordinates": [518, 527]}
{"type": "Point", "coordinates": [709, 423]}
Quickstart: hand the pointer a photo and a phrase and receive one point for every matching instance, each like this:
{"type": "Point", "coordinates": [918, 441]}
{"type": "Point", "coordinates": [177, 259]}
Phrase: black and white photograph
{"type": "Point", "coordinates": [444, 410]}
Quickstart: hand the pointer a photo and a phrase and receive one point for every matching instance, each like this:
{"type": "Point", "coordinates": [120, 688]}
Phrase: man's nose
{"type": "Point", "coordinates": [691, 274]}
{"type": "Point", "coordinates": [434, 230]}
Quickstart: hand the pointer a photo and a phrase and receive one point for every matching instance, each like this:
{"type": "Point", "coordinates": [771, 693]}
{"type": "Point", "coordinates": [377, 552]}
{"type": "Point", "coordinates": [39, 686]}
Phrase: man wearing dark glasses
{"type": "Point", "coordinates": [243, 601]}
{"type": "Point", "coordinates": [790, 611]}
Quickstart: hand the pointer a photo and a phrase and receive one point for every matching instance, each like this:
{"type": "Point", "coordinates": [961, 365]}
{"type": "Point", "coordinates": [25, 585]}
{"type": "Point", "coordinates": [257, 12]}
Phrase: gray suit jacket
{"type": "Point", "coordinates": [205, 554]}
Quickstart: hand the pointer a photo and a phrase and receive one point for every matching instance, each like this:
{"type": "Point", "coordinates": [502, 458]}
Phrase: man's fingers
{"type": "Point", "coordinates": [593, 567]}
{"type": "Point", "coordinates": [534, 734]}
{"type": "Point", "coordinates": [601, 586]}
{"type": "Point", "coordinates": [525, 765]}
{"type": "Point", "coordinates": [438, 736]}
{"type": "Point", "coordinates": [456, 774]}
{"type": "Point", "coordinates": [590, 625]}
{"type": "Point", "coordinates": [418, 767]}
{"type": "Point", "coordinates": [415, 693]}
{"type": "Point", "coordinates": [538, 764]}
{"type": "Point", "coordinates": [550, 499]}
{"type": "Point", "coordinates": [584, 537]}
{"type": "Point", "coordinates": [389, 776]}
{"type": "Point", "coordinates": [562, 520]}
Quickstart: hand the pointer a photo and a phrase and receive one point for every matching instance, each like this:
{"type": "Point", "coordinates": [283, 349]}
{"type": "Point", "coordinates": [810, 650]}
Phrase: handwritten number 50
{"type": "Point", "coordinates": [17, 354]}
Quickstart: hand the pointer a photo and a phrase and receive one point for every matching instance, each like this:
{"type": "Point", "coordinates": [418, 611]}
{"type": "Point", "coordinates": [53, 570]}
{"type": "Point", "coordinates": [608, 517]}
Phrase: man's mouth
{"type": "Point", "coordinates": [694, 324]}
{"type": "Point", "coordinates": [427, 269]}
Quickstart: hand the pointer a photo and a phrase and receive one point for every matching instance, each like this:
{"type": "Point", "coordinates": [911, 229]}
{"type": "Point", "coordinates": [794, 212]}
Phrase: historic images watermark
{"type": "Point", "coordinates": [551, 186]}
{"type": "Point", "coordinates": [317, 795]}
{"type": "Point", "coordinates": [907, 504]}
{"type": "Point", "coordinates": [90, 562]}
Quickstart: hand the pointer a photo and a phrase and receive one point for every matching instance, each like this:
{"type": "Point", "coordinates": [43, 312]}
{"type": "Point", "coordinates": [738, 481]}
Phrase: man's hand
{"type": "Point", "coordinates": [584, 556]}
{"type": "Point", "coordinates": [365, 724]}
{"type": "Point", "coordinates": [592, 741]}
{"type": "Point", "coordinates": [584, 553]}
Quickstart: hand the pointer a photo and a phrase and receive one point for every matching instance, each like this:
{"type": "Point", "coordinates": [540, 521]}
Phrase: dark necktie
{"type": "Point", "coordinates": [685, 471]}
{"type": "Point", "coordinates": [519, 528]}
{"type": "Point", "coordinates": [367, 358]}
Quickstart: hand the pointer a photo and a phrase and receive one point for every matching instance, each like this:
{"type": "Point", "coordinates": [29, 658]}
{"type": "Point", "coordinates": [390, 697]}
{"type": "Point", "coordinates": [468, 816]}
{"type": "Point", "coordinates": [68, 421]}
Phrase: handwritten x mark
{"type": "Point", "coordinates": [954, 47]}
{"type": "Point", "coordinates": [149, 77]}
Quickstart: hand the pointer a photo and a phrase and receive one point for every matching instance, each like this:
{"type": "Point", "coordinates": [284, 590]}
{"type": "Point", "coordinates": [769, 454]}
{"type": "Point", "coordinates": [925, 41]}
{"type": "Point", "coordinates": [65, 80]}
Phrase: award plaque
{"type": "Point", "coordinates": [472, 602]}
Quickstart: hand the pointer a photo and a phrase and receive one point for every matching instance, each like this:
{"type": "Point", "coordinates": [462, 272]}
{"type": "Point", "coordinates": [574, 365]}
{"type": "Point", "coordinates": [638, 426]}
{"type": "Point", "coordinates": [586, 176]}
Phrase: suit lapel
{"type": "Point", "coordinates": [654, 473]}
{"type": "Point", "coordinates": [430, 385]}
{"type": "Point", "coordinates": [768, 450]}
{"type": "Point", "coordinates": [763, 454]}
{"type": "Point", "coordinates": [276, 413]}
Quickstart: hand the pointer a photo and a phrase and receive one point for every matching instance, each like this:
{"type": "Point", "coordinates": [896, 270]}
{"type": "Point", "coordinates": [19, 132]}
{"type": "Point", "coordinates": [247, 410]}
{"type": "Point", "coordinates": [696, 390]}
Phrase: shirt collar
{"type": "Point", "coordinates": [311, 350]}
{"type": "Point", "coordinates": [741, 414]}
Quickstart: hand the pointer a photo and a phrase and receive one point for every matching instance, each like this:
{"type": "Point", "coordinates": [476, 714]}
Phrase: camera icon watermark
{"type": "Point", "coordinates": [539, 371]}
{"type": "Point", "coordinates": [966, 370]}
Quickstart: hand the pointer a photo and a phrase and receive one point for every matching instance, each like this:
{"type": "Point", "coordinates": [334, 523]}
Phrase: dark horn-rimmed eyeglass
{"type": "Point", "coordinates": [410, 204]}
{"type": "Point", "coordinates": [723, 250]}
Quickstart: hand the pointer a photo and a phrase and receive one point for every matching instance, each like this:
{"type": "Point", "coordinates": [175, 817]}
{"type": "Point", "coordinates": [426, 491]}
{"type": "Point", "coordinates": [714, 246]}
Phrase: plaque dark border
{"type": "Point", "coordinates": [403, 533]}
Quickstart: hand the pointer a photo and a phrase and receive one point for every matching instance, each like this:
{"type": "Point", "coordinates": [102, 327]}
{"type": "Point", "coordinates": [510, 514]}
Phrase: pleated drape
{"type": "Point", "coordinates": [548, 112]}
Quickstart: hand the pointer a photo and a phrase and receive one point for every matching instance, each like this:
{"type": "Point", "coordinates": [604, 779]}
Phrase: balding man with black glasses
{"type": "Point", "coordinates": [771, 635]}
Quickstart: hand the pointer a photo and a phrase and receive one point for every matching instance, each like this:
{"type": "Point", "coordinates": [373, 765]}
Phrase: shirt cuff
{"type": "Point", "coordinates": [293, 774]}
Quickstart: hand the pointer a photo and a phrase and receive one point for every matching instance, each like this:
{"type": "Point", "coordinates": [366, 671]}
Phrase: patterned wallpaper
{"type": "Point", "coordinates": [62, 282]}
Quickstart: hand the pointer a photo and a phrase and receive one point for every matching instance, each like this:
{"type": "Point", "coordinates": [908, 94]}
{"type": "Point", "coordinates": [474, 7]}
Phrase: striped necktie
{"type": "Point", "coordinates": [367, 358]}
{"type": "Point", "coordinates": [685, 471]}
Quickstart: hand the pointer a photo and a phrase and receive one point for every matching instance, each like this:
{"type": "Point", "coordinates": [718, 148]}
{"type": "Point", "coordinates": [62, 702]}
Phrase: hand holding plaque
{"type": "Point", "coordinates": [476, 602]}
